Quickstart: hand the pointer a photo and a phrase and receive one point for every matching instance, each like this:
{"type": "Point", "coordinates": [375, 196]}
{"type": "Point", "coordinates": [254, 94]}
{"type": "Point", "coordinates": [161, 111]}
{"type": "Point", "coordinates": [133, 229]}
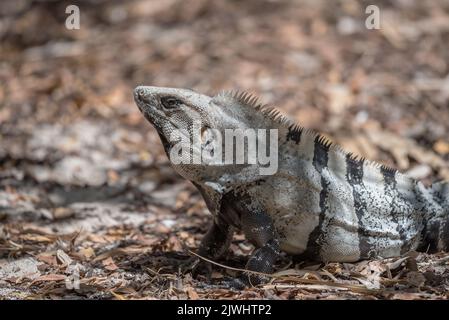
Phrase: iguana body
{"type": "Point", "coordinates": [322, 203]}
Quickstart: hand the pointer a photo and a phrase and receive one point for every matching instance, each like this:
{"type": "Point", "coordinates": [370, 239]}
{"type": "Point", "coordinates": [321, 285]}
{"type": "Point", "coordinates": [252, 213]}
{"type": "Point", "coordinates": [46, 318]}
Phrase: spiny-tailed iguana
{"type": "Point", "coordinates": [321, 203]}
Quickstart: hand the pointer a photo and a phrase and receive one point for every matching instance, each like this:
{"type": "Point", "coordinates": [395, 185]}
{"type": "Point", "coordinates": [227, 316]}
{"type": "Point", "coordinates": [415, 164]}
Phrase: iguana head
{"type": "Point", "coordinates": [171, 110]}
{"type": "Point", "coordinates": [187, 121]}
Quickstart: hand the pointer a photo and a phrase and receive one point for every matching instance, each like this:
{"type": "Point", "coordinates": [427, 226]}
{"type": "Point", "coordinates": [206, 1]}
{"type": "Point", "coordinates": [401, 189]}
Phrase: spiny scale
{"type": "Point", "coordinates": [275, 115]}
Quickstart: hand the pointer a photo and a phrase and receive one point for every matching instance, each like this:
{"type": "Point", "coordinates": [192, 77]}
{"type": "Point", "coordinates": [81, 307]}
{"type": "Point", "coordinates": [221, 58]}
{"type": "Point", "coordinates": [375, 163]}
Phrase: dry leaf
{"type": "Point", "coordinates": [35, 238]}
{"type": "Point", "coordinates": [415, 278]}
{"type": "Point", "coordinates": [96, 238]}
{"type": "Point", "coordinates": [216, 275]}
{"type": "Point", "coordinates": [291, 272]}
{"type": "Point", "coordinates": [63, 257]}
{"type": "Point", "coordinates": [406, 296]}
{"type": "Point", "coordinates": [174, 244]}
{"type": "Point", "coordinates": [396, 264]}
{"type": "Point", "coordinates": [49, 277]}
{"type": "Point", "coordinates": [87, 252]}
{"type": "Point", "coordinates": [192, 293]}
{"type": "Point", "coordinates": [109, 264]}
{"type": "Point", "coordinates": [117, 296]}
{"type": "Point", "coordinates": [182, 198]}
{"type": "Point", "coordinates": [48, 258]}
{"type": "Point", "coordinates": [113, 176]}
{"type": "Point", "coordinates": [62, 213]}
{"type": "Point", "coordinates": [442, 147]}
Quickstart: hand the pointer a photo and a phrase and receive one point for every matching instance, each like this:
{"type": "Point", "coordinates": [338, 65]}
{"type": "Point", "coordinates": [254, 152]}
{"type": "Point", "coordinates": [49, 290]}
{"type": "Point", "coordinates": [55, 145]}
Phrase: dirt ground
{"type": "Point", "coordinates": [87, 193]}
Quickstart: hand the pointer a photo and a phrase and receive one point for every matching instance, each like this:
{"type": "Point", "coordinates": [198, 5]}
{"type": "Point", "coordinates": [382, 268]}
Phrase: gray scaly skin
{"type": "Point", "coordinates": [322, 203]}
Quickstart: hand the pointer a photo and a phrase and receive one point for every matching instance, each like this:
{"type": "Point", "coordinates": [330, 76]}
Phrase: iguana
{"type": "Point", "coordinates": [322, 203]}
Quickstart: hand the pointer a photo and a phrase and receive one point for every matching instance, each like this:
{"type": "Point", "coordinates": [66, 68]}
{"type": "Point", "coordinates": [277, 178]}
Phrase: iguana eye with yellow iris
{"type": "Point", "coordinates": [170, 102]}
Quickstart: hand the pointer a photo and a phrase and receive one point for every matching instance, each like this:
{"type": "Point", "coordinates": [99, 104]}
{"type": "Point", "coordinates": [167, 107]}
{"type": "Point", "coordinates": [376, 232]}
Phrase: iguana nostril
{"type": "Point", "coordinates": [141, 96]}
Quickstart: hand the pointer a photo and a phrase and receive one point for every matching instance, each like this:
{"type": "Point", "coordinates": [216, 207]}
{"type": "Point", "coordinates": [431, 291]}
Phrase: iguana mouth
{"type": "Point", "coordinates": [145, 107]}
{"type": "Point", "coordinates": [157, 118]}
{"type": "Point", "coordinates": [151, 113]}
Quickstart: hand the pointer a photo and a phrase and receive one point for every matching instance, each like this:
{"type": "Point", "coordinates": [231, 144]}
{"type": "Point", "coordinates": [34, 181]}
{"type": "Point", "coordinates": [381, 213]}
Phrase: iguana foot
{"type": "Point", "coordinates": [235, 283]}
{"type": "Point", "coordinates": [245, 281]}
{"type": "Point", "coordinates": [196, 267]}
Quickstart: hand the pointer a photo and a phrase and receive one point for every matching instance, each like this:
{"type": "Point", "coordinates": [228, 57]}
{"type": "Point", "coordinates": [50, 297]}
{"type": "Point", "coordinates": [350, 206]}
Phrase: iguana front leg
{"type": "Point", "coordinates": [214, 244]}
{"type": "Point", "coordinates": [217, 239]}
{"type": "Point", "coordinates": [255, 223]}
{"type": "Point", "coordinates": [262, 260]}
{"type": "Point", "coordinates": [258, 228]}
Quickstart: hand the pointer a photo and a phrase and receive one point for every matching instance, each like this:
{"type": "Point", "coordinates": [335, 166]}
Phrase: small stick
{"type": "Point", "coordinates": [231, 268]}
{"type": "Point", "coordinates": [306, 281]}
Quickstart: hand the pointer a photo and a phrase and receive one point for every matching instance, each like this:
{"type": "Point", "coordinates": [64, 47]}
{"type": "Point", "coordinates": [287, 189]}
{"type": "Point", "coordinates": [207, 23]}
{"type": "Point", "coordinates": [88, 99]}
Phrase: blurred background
{"type": "Point", "coordinates": [76, 154]}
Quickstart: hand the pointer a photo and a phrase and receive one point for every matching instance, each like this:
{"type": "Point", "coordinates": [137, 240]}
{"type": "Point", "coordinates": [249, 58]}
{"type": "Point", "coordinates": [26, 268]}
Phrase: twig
{"type": "Point", "coordinates": [305, 281]}
{"type": "Point", "coordinates": [231, 268]}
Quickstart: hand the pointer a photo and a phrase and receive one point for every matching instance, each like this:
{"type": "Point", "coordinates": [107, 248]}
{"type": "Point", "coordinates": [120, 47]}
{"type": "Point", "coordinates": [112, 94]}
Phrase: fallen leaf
{"type": "Point", "coordinates": [415, 278]}
{"type": "Point", "coordinates": [291, 272]}
{"type": "Point", "coordinates": [419, 172]}
{"type": "Point", "coordinates": [35, 238]}
{"type": "Point", "coordinates": [63, 257]}
{"type": "Point", "coordinates": [109, 264]}
{"type": "Point", "coordinates": [62, 213]}
{"type": "Point", "coordinates": [87, 252]}
{"type": "Point", "coordinates": [174, 244]}
{"type": "Point", "coordinates": [216, 275]}
{"type": "Point", "coordinates": [13, 280]}
{"type": "Point", "coordinates": [113, 176]}
{"type": "Point", "coordinates": [396, 264]}
{"type": "Point", "coordinates": [406, 296]}
{"type": "Point", "coordinates": [48, 258]}
{"type": "Point", "coordinates": [96, 238]}
{"type": "Point", "coordinates": [118, 296]}
{"type": "Point", "coordinates": [442, 147]}
{"type": "Point", "coordinates": [192, 293]}
{"type": "Point", "coordinates": [49, 277]}
{"type": "Point", "coordinates": [182, 198]}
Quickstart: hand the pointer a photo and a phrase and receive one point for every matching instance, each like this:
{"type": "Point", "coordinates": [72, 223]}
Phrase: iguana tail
{"type": "Point", "coordinates": [436, 233]}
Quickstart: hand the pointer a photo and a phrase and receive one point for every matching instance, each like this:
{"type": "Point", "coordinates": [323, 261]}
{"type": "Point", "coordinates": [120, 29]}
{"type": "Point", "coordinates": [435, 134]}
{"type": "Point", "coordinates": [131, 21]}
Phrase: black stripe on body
{"type": "Point", "coordinates": [430, 234]}
{"type": "Point", "coordinates": [354, 176]}
{"type": "Point", "coordinates": [320, 160]}
{"type": "Point", "coordinates": [445, 234]}
{"type": "Point", "coordinates": [390, 184]}
{"type": "Point", "coordinates": [294, 134]}
{"type": "Point", "coordinates": [441, 197]}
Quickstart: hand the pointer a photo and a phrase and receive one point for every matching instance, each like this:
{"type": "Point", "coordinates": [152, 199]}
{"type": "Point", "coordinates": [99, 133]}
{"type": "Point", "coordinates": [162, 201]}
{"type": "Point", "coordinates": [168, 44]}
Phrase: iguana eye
{"type": "Point", "coordinates": [170, 102]}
